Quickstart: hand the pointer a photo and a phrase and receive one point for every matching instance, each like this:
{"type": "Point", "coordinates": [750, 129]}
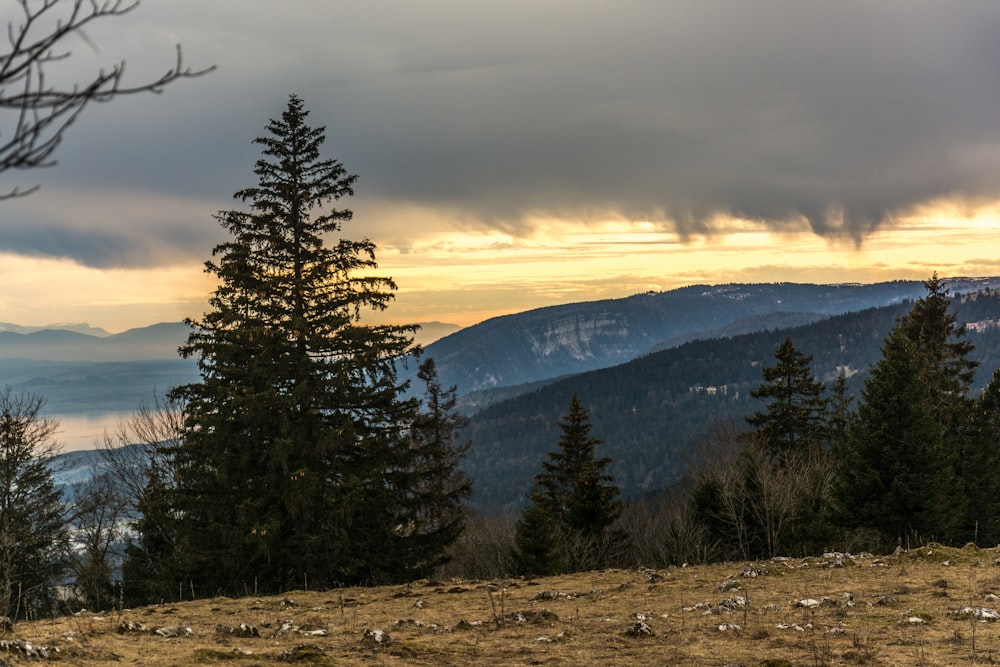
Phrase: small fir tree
{"type": "Point", "coordinates": [794, 419]}
{"type": "Point", "coordinates": [432, 486]}
{"type": "Point", "coordinates": [538, 540]}
{"type": "Point", "coordinates": [574, 495]}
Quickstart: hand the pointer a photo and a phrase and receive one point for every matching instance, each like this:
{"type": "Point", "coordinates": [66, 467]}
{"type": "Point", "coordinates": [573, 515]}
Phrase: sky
{"type": "Point", "coordinates": [524, 153]}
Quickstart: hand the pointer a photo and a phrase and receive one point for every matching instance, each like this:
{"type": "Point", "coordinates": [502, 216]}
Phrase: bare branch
{"type": "Point", "coordinates": [42, 112]}
{"type": "Point", "coordinates": [137, 446]}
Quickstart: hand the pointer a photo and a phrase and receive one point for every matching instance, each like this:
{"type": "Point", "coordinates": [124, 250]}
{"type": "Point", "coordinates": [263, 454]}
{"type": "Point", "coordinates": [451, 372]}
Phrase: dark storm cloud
{"type": "Point", "coordinates": [844, 114]}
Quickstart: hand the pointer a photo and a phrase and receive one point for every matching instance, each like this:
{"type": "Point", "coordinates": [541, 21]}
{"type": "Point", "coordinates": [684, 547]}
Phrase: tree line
{"type": "Point", "coordinates": [916, 459]}
{"type": "Point", "coordinates": [649, 416]}
{"type": "Point", "coordinates": [912, 457]}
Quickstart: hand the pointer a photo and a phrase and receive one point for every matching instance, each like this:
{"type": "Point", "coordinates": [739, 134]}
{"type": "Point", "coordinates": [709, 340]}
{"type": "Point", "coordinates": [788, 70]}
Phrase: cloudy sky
{"type": "Point", "coordinates": [522, 153]}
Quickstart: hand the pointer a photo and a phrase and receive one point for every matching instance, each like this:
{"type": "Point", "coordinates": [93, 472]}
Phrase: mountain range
{"type": "Point", "coordinates": [574, 338]}
{"type": "Point", "coordinates": [159, 341]}
{"type": "Point", "coordinates": [652, 412]}
{"type": "Point", "coordinates": [656, 370]}
{"type": "Point", "coordinates": [84, 370]}
{"type": "Point", "coordinates": [79, 327]}
{"type": "Point", "coordinates": [94, 374]}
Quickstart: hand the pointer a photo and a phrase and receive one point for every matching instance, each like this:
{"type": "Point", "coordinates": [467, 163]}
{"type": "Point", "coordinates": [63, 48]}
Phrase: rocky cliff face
{"type": "Point", "coordinates": [578, 336]}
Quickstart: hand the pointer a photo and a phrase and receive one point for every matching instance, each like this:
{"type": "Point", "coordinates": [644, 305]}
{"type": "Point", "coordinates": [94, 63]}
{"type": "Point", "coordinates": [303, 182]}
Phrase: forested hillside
{"type": "Point", "coordinates": [652, 412]}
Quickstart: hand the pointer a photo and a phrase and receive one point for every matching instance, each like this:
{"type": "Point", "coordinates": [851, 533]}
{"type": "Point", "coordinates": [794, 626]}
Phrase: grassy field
{"type": "Point", "coordinates": [831, 610]}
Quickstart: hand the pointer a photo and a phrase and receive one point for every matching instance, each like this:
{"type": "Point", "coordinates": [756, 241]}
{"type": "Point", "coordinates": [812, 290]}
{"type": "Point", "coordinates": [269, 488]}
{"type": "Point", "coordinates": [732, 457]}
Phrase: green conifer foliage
{"type": "Point", "coordinates": [33, 538]}
{"type": "Point", "coordinates": [538, 547]}
{"type": "Point", "coordinates": [794, 420]}
{"type": "Point", "coordinates": [900, 470]}
{"type": "Point", "coordinates": [297, 462]}
{"type": "Point", "coordinates": [572, 507]}
{"type": "Point", "coordinates": [429, 488]}
{"type": "Point", "coordinates": [980, 466]}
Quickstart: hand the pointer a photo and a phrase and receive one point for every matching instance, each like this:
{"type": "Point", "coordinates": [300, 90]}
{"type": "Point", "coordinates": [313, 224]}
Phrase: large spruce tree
{"type": "Point", "coordinates": [900, 470]}
{"type": "Point", "coordinates": [295, 467]}
{"type": "Point", "coordinates": [572, 506]}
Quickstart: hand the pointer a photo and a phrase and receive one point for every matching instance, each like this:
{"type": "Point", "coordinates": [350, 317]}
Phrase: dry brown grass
{"type": "Point", "coordinates": [587, 619]}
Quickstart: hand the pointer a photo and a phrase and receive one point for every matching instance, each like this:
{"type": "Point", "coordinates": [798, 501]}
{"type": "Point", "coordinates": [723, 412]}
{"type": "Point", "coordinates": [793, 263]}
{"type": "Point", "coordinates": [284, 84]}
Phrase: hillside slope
{"type": "Point", "coordinates": [651, 412]}
{"type": "Point", "coordinates": [921, 607]}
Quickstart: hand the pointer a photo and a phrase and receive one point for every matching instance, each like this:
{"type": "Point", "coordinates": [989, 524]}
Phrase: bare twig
{"type": "Point", "coordinates": [42, 111]}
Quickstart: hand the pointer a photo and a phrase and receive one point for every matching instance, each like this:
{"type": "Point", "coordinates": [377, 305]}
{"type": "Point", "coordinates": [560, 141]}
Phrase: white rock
{"type": "Point", "coordinates": [981, 613]}
{"type": "Point", "coordinates": [314, 633]}
{"type": "Point", "coordinates": [376, 636]}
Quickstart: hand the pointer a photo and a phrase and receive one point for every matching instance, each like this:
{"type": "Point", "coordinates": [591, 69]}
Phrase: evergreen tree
{"type": "Point", "coordinates": [794, 419]}
{"type": "Point", "coordinates": [900, 470]}
{"type": "Point", "coordinates": [934, 330]}
{"type": "Point", "coordinates": [538, 543]}
{"type": "Point", "coordinates": [840, 414]}
{"type": "Point", "coordinates": [576, 496]}
{"type": "Point", "coordinates": [795, 428]}
{"type": "Point", "coordinates": [33, 538]}
{"type": "Point", "coordinates": [155, 560]}
{"type": "Point", "coordinates": [431, 486]}
{"type": "Point", "coordinates": [981, 466]}
{"type": "Point", "coordinates": [296, 460]}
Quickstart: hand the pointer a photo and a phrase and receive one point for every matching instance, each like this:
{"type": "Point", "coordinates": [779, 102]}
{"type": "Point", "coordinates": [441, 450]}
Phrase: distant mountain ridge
{"type": "Point", "coordinates": [78, 327]}
{"type": "Point", "coordinates": [574, 338]}
{"type": "Point", "coordinates": [83, 370]}
{"type": "Point", "coordinates": [651, 411]}
{"type": "Point", "coordinates": [432, 331]}
{"type": "Point", "coordinates": [82, 342]}
{"type": "Point", "coordinates": [158, 341]}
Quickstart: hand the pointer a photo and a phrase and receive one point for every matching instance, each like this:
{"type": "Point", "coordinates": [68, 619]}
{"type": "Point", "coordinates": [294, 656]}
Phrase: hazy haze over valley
{"type": "Point", "coordinates": [91, 379]}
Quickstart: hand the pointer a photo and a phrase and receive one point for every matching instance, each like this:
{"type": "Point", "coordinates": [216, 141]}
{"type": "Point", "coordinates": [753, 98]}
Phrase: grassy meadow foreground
{"type": "Point", "coordinates": [928, 606]}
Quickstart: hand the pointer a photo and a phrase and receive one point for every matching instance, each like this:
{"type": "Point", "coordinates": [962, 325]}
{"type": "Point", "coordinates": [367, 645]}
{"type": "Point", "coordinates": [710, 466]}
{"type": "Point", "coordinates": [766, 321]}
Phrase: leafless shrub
{"type": "Point", "coordinates": [484, 550]}
{"type": "Point", "coordinates": [138, 445]}
{"type": "Point", "coordinates": [99, 518]}
{"type": "Point", "coordinates": [664, 531]}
